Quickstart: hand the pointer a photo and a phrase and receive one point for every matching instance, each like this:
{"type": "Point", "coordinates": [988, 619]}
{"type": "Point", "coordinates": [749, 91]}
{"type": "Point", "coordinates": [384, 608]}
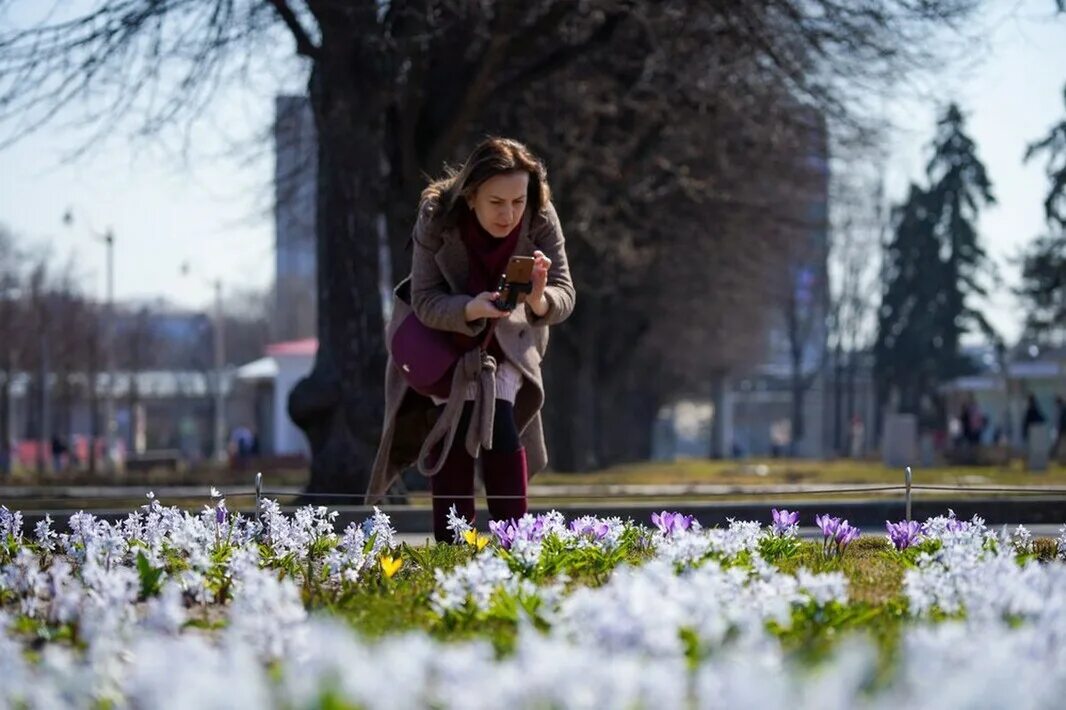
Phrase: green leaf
{"type": "Point", "coordinates": [150, 576]}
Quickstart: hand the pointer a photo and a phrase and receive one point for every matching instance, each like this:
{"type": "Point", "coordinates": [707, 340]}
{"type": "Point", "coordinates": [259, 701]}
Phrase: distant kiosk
{"type": "Point", "coordinates": [900, 441]}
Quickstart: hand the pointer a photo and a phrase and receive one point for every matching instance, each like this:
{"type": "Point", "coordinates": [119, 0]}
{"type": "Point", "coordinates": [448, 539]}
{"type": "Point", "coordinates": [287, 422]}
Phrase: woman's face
{"type": "Point", "coordinates": [500, 201]}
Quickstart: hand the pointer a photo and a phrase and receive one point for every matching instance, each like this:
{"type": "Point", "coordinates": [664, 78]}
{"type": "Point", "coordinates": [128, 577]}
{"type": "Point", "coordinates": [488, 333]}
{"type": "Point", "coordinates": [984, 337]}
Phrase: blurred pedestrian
{"type": "Point", "coordinates": [1033, 415]}
{"type": "Point", "coordinates": [241, 444]}
{"type": "Point", "coordinates": [1060, 435]}
{"type": "Point", "coordinates": [7, 451]}
{"type": "Point", "coordinates": [59, 450]}
{"type": "Point", "coordinates": [857, 437]}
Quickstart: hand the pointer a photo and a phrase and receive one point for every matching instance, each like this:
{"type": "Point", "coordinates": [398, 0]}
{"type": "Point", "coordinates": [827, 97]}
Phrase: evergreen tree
{"type": "Point", "coordinates": [933, 264]}
{"type": "Point", "coordinates": [959, 189]}
{"type": "Point", "coordinates": [908, 343]}
{"type": "Point", "coordinates": [1044, 263]}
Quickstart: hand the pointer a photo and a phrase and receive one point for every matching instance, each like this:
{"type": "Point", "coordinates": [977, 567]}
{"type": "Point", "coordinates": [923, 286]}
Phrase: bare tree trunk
{"type": "Point", "coordinates": [799, 393]}
{"type": "Point", "coordinates": [43, 438]}
{"type": "Point", "coordinates": [559, 379]}
{"type": "Point", "coordinates": [5, 417]}
{"type": "Point", "coordinates": [586, 414]}
{"type": "Point", "coordinates": [339, 404]}
{"type": "Point", "coordinates": [587, 422]}
{"type": "Point", "coordinates": [719, 448]}
{"type": "Point", "coordinates": [798, 386]}
{"type": "Point", "coordinates": [628, 408]}
{"type": "Point", "coordinates": [849, 387]}
{"type": "Point", "coordinates": [642, 417]}
{"type": "Point", "coordinates": [840, 421]}
{"type": "Point", "coordinates": [93, 366]}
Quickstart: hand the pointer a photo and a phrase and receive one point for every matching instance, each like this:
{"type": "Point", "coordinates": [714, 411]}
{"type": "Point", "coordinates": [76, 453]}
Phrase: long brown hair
{"type": "Point", "coordinates": [493, 156]}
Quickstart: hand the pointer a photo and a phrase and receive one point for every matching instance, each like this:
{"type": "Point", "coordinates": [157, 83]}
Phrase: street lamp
{"type": "Point", "coordinates": [110, 427]}
{"type": "Point", "coordinates": [219, 327]}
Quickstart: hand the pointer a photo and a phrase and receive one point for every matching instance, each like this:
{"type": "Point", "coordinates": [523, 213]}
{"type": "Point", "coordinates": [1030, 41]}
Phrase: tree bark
{"type": "Point", "coordinates": [587, 423]}
{"type": "Point", "coordinates": [796, 341]}
{"type": "Point", "coordinates": [628, 406]}
{"type": "Point", "coordinates": [841, 424]}
{"type": "Point", "coordinates": [719, 448]}
{"type": "Point", "coordinates": [339, 404]}
{"type": "Point", "coordinates": [5, 418]}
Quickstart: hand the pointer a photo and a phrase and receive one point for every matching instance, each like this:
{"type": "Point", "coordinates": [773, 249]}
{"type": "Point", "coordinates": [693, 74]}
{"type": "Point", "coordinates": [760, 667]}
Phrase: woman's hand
{"type": "Point", "coordinates": [482, 306]}
{"type": "Point", "coordinates": [536, 300]}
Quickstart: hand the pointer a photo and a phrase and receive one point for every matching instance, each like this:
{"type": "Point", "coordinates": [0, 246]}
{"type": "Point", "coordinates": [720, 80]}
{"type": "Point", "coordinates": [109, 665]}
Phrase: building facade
{"type": "Point", "coordinates": [295, 181]}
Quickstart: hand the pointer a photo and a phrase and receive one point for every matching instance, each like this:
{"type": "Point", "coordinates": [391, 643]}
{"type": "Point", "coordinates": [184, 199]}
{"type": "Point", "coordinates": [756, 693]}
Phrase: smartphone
{"type": "Point", "coordinates": [520, 270]}
{"type": "Point", "coordinates": [516, 283]}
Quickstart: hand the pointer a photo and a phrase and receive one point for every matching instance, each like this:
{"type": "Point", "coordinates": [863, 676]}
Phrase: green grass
{"type": "Point", "coordinates": [383, 606]}
{"type": "Point", "coordinates": [748, 473]}
{"type": "Point", "coordinates": [379, 606]}
{"type": "Point", "coordinates": [873, 567]}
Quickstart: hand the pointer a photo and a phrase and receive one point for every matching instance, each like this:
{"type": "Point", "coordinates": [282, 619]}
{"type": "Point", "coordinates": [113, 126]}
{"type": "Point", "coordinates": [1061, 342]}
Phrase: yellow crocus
{"type": "Point", "coordinates": [390, 566]}
{"type": "Point", "coordinates": [473, 538]}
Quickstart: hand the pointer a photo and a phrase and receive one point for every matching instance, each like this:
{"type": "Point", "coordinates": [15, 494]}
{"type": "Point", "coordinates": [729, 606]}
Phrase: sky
{"type": "Point", "coordinates": [213, 207]}
{"type": "Point", "coordinates": [1010, 87]}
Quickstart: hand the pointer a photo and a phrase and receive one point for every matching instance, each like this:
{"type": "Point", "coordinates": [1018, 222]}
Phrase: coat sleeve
{"type": "Point", "coordinates": [431, 298]}
{"type": "Point", "coordinates": [559, 293]}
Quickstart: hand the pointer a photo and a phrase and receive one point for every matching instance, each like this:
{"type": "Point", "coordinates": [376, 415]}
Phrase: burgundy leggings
{"type": "Point", "coordinates": [503, 468]}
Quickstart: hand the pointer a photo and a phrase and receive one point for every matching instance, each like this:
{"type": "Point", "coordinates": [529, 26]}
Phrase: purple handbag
{"type": "Point", "coordinates": [427, 356]}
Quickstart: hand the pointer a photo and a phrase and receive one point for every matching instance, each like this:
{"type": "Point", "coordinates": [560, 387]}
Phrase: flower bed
{"type": "Point", "coordinates": [173, 609]}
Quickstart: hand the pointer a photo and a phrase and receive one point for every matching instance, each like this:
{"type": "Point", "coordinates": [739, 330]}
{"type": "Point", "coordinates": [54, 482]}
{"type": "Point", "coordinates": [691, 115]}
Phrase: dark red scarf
{"type": "Point", "coordinates": [488, 254]}
{"type": "Point", "coordinates": [488, 257]}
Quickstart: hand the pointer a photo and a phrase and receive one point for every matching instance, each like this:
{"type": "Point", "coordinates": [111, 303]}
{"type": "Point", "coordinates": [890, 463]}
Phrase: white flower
{"type": "Point", "coordinates": [473, 584]}
{"type": "Point", "coordinates": [267, 613]}
{"type": "Point", "coordinates": [166, 612]}
{"type": "Point", "coordinates": [379, 526]}
{"type": "Point", "coordinates": [1021, 539]}
{"type": "Point", "coordinates": [44, 533]}
{"type": "Point", "coordinates": [825, 587]}
{"type": "Point", "coordinates": [189, 672]}
{"type": "Point", "coordinates": [457, 524]}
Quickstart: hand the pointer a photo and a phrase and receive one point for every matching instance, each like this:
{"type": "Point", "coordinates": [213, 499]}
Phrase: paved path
{"type": "Point", "coordinates": [868, 514]}
{"type": "Point", "coordinates": [678, 490]}
{"type": "Point", "coordinates": [811, 533]}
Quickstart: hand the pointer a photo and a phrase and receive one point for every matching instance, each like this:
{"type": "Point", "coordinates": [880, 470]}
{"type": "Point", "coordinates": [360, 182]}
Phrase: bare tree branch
{"type": "Point", "coordinates": [304, 46]}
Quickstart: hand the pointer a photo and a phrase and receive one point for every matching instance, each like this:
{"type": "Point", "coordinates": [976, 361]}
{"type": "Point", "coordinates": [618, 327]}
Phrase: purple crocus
{"type": "Point", "coordinates": [536, 533]}
{"type": "Point", "coordinates": [670, 523]}
{"type": "Point", "coordinates": [221, 512]}
{"type": "Point", "coordinates": [956, 526]}
{"type": "Point", "coordinates": [904, 533]}
{"type": "Point", "coordinates": [845, 535]}
{"type": "Point", "coordinates": [829, 525]}
{"type": "Point", "coordinates": [594, 529]}
{"type": "Point", "coordinates": [784, 521]}
{"type": "Point", "coordinates": [836, 532]}
{"type": "Point", "coordinates": [505, 532]}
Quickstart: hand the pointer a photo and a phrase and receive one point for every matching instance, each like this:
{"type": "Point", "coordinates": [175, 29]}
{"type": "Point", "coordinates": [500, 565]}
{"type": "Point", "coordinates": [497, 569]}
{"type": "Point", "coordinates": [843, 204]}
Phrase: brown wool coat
{"type": "Point", "coordinates": [436, 291]}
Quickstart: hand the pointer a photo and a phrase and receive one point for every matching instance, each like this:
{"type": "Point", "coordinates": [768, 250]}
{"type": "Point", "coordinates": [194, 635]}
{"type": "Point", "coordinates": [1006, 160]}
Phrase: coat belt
{"type": "Point", "coordinates": [475, 366]}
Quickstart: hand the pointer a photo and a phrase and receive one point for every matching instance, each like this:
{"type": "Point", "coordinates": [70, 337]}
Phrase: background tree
{"type": "Point", "coordinates": [67, 308]}
{"type": "Point", "coordinates": [1043, 288]}
{"type": "Point", "coordinates": [935, 262]}
{"type": "Point", "coordinates": [855, 235]}
{"type": "Point", "coordinates": [396, 88]}
{"type": "Point", "coordinates": [12, 331]}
